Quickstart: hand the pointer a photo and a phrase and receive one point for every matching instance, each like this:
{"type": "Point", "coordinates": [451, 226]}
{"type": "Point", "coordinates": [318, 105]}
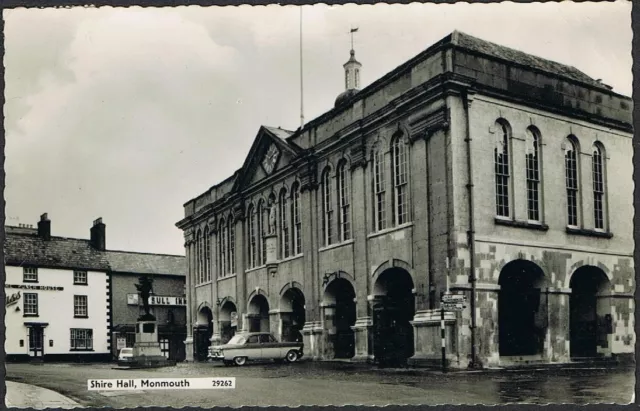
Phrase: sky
{"type": "Point", "coordinates": [128, 113]}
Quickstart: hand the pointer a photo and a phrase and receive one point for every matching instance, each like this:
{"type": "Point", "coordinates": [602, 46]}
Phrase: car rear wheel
{"type": "Point", "coordinates": [240, 360]}
{"type": "Point", "coordinates": [292, 356]}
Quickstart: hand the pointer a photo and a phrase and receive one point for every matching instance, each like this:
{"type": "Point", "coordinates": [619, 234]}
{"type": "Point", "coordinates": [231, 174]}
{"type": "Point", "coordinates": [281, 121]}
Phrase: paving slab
{"type": "Point", "coordinates": [20, 395]}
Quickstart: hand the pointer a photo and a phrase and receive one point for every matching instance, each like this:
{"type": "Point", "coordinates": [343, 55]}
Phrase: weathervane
{"type": "Point", "coordinates": [351, 32]}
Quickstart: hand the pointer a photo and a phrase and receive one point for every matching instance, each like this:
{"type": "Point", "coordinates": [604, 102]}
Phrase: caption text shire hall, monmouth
{"type": "Point", "coordinates": [471, 168]}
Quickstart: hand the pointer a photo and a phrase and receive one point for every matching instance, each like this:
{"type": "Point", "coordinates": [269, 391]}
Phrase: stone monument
{"type": "Point", "coordinates": [146, 350]}
{"type": "Point", "coordinates": [271, 241]}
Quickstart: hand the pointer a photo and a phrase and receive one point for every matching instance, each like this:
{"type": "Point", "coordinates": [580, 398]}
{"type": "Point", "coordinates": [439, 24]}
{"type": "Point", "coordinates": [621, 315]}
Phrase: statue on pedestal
{"type": "Point", "coordinates": [144, 287]}
{"type": "Point", "coordinates": [272, 219]}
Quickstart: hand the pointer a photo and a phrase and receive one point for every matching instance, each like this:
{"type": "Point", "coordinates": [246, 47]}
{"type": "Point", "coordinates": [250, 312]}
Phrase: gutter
{"type": "Point", "coordinates": [466, 101]}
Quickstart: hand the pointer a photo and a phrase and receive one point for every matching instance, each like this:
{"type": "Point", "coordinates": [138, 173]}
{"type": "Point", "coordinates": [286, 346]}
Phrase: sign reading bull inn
{"type": "Point", "coordinates": [133, 299]}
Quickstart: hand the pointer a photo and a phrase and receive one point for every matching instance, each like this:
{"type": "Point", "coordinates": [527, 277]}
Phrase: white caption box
{"type": "Point", "coordinates": [122, 384]}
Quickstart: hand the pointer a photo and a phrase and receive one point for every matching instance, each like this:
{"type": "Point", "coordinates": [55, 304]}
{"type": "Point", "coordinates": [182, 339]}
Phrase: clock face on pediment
{"type": "Point", "coordinates": [270, 159]}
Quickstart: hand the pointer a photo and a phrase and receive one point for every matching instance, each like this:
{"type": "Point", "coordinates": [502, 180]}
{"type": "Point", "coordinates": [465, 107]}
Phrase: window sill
{"type": "Point", "coordinates": [226, 277]}
{"type": "Point", "coordinates": [390, 230]}
{"type": "Point", "coordinates": [337, 245]}
{"type": "Point", "coordinates": [81, 350]}
{"type": "Point", "coordinates": [203, 284]}
{"type": "Point", "coordinates": [85, 284]}
{"type": "Point", "coordinates": [30, 281]}
{"type": "Point", "coordinates": [31, 315]}
{"type": "Point", "coordinates": [521, 224]}
{"type": "Point", "coordinates": [80, 316]}
{"type": "Point", "coordinates": [589, 233]}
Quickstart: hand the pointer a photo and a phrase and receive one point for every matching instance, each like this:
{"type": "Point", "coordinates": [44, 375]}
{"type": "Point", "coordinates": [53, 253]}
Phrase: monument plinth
{"type": "Point", "coordinates": [146, 350]}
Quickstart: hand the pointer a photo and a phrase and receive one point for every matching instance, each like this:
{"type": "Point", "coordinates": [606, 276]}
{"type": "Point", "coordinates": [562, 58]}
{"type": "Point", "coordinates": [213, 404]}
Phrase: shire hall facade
{"type": "Point", "coordinates": [470, 169]}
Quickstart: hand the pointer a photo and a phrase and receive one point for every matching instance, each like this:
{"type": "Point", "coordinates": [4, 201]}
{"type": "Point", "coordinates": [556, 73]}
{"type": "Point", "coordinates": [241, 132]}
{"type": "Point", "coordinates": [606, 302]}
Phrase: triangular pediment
{"type": "Point", "coordinates": [269, 153]}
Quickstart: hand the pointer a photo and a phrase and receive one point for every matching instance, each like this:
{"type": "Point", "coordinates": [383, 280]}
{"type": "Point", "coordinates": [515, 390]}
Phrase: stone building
{"type": "Point", "coordinates": [471, 169]}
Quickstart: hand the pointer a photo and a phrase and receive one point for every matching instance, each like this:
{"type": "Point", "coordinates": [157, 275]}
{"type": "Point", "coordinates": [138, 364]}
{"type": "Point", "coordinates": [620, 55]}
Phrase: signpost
{"type": "Point", "coordinates": [449, 302]}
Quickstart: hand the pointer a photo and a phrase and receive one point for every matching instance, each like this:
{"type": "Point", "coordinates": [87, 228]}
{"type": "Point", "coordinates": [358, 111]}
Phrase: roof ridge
{"type": "Point", "coordinates": [144, 253]}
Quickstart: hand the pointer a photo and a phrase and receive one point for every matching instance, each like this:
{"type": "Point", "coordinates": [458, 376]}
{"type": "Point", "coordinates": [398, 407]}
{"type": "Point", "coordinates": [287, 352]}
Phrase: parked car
{"type": "Point", "coordinates": [126, 355]}
{"type": "Point", "coordinates": [256, 346]}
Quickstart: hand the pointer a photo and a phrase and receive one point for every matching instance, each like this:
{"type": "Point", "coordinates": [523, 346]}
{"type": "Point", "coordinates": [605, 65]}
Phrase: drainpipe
{"type": "Point", "coordinates": [466, 100]}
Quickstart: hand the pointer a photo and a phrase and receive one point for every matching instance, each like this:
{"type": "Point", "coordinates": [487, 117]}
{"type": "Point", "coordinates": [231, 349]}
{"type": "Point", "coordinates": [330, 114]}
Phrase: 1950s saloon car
{"type": "Point", "coordinates": [255, 346]}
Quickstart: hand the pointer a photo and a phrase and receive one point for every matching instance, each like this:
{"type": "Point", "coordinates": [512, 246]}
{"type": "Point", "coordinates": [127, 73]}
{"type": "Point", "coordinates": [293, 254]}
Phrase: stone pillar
{"type": "Point", "coordinates": [557, 339]}
{"type": "Point", "coordinates": [241, 289]}
{"type": "Point", "coordinates": [309, 236]}
{"type": "Point", "coordinates": [360, 193]}
{"type": "Point", "coordinates": [363, 335]}
{"type": "Point", "coordinates": [213, 269]}
{"type": "Point", "coordinates": [188, 343]}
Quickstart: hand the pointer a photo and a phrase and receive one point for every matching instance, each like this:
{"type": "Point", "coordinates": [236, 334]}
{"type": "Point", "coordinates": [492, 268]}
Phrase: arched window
{"type": "Point", "coordinates": [253, 240]}
{"type": "Point", "coordinates": [597, 162]}
{"type": "Point", "coordinates": [327, 208]}
{"type": "Point", "coordinates": [379, 189]}
{"type": "Point", "coordinates": [231, 246]}
{"type": "Point", "coordinates": [532, 161]}
{"type": "Point", "coordinates": [571, 178]}
{"type": "Point", "coordinates": [199, 257]}
{"type": "Point", "coordinates": [222, 233]}
{"type": "Point", "coordinates": [263, 219]}
{"type": "Point", "coordinates": [344, 219]}
{"type": "Point", "coordinates": [295, 218]}
{"type": "Point", "coordinates": [207, 255]}
{"type": "Point", "coordinates": [284, 225]}
{"type": "Point", "coordinates": [400, 179]}
{"type": "Point", "coordinates": [502, 169]}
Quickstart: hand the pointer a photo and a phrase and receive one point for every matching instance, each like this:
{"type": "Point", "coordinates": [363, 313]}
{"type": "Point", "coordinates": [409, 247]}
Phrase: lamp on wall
{"type": "Point", "coordinates": [219, 301]}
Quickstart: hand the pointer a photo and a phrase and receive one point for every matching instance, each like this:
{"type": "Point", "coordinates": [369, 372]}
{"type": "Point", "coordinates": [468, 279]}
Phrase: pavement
{"type": "Point", "coordinates": [20, 395]}
{"type": "Point", "coordinates": [335, 384]}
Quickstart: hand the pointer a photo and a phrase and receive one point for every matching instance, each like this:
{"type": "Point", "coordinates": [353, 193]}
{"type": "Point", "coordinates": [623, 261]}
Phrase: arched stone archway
{"type": "Point", "coordinates": [522, 309]}
{"type": "Point", "coordinates": [589, 312]}
{"type": "Point", "coordinates": [203, 333]}
{"type": "Point", "coordinates": [393, 309]}
{"type": "Point", "coordinates": [339, 311]}
{"type": "Point", "coordinates": [292, 314]}
{"type": "Point", "coordinates": [258, 314]}
{"type": "Point", "coordinates": [228, 320]}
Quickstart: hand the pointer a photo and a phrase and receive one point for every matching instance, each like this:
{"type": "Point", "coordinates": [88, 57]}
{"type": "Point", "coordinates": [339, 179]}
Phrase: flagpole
{"type": "Point", "coordinates": [301, 77]}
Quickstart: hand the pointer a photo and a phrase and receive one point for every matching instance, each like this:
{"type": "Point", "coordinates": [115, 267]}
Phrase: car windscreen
{"type": "Point", "coordinates": [126, 351]}
{"type": "Point", "coordinates": [236, 339]}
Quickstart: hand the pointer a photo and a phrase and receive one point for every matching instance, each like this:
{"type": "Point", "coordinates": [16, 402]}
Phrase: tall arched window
{"type": "Point", "coordinates": [344, 219]}
{"type": "Point", "coordinates": [532, 161]}
{"type": "Point", "coordinates": [571, 178]}
{"type": "Point", "coordinates": [597, 163]}
{"type": "Point", "coordinates": [207, 254]}
{"type": "Point", "coordinates": [231, 246]}
{"type": "Point", "coordinates": [400, 179]}
{"type": "Point", "coordinates": [379, 189]}
{"type": "Point", "coordinates": [327, 208]}
{"type": "Point", "coordinates": [253, 240]}
{"type": "Point", "coordinates": [222, 234]}
{"type": "Point", "coordinates": [295, 218]}
{"type": "Point", "coordinates": [502, 169]}
{"type": "Point", "coordinates": [199, 257]}
{"type": "Point", "coordinates": [284, 224]}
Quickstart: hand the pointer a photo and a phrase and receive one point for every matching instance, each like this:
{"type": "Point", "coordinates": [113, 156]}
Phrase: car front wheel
{"type": "Point", "coordinates": [240, 360]}
{"type": "Point", "coordinates": [292, 356]}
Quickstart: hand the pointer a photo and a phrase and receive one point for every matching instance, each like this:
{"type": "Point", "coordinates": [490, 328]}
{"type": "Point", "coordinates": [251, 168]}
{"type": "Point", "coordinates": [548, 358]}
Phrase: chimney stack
{"type": "Point", "coordinates": [98, 235]}
{"type": "Point", "coordinates": [44, 227]}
